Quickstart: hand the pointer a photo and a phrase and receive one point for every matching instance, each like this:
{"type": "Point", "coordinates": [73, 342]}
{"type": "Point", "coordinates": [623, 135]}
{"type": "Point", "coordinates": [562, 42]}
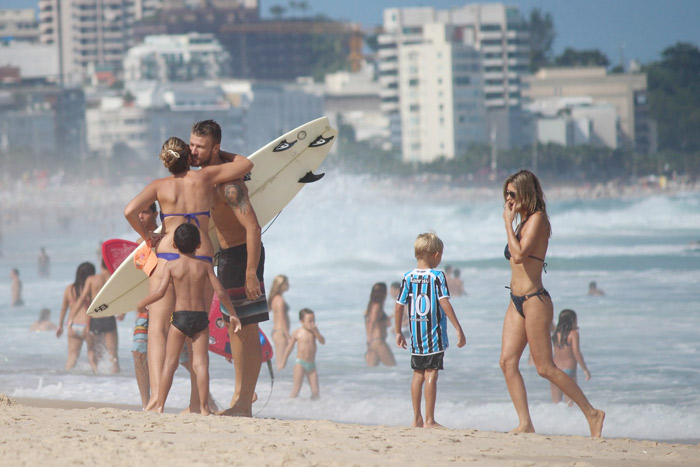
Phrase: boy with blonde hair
{"type": "Point", "coordinates": [424, 291]}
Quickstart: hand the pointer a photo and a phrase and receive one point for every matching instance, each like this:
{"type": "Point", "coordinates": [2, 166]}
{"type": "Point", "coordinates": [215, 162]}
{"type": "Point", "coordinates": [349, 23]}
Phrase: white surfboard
{"type": "Point", "coordinates": [282, 168]}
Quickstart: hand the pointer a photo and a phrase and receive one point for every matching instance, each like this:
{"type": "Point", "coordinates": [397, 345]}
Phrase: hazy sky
{"type": "Point", "coordinates": [646, 27]}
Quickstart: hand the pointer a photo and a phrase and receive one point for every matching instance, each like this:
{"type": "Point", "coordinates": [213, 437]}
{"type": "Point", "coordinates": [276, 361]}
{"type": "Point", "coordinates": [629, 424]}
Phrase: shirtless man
{"type": "Point", "coordinates": [101, 326]}
{"type": "Point", "coordinates": [241, 263]}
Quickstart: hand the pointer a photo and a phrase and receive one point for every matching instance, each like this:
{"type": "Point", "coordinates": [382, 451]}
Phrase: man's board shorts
{"type": "Point", "coordinates": [103, 325]}
{"type": "Point", "coordinates": [140, 334]}
{"type": "Point", "coordinates": [231, 272]}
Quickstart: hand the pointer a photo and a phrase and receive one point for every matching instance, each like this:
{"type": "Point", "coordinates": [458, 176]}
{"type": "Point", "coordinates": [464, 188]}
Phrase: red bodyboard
{"type": "Point", "coordinates": [115, 251]}
{"type": "Point", "coordinates": [218, 335]}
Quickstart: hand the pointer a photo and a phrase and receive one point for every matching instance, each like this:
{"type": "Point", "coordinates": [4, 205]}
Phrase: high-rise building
{"type": "Point", "coordinates": [19, 25]}
{"type": "Point", "coordinates": [441, 101]}
{"type": "Point", "coordinates": [497, 32]}
{"type": "Point", "coordinates": [87, 33]}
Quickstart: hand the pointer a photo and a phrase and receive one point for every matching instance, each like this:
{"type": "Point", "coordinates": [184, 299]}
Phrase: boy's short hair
{"type": "Point", "coordinates": [305, 311]}
{"type": "Point", "coordinates": [187, 238]}
{"type": "Point", "coordinates": [426, 245]}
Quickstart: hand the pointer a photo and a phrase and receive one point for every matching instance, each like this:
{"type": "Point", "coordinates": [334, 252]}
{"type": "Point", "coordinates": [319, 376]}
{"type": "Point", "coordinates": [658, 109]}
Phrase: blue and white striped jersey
{"type": "Point", "coordinates": [421, 290]}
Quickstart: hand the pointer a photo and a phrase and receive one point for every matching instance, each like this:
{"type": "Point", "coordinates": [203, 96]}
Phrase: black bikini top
{"type": "Point", "coordinates": [506, 251]}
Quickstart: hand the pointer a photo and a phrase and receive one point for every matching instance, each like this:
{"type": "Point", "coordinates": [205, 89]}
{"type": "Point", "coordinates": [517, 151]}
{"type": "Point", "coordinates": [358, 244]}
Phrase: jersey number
{"type": "Point", "coordinates": [421, 305]}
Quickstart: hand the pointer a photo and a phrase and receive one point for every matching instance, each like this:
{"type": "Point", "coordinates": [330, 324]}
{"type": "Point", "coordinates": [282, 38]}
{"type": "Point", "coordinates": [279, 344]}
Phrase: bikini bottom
{"type": "Point", "coordinates": [519, 300]}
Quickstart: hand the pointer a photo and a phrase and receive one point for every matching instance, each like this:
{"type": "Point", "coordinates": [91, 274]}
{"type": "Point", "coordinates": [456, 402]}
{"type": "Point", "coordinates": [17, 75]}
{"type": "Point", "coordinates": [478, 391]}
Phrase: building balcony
{"type": "Point", "coordinates": [493, 62]}
{"type": "Point", "coordinates": [492, 49]}
{"type": "Point", "coordinates": [490, 35]}
{"type": "Point", "coordinates": [492, 88]}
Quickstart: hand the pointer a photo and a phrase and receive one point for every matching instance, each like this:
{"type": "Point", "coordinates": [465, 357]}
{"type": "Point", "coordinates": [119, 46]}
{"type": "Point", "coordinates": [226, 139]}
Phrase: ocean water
{"type": "Point", "coordinates": [337, 238]}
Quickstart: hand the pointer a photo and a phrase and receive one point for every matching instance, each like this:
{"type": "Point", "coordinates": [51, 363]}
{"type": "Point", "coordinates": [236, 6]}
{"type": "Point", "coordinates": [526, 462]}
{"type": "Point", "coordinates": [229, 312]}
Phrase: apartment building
{"type": "Point", "coordinates": [19, 25]}
{"type": "Point", "coordinates": [627, 92]}
{"type": "Point", "coordinates": [87, 33]}
{"type": "Point", "coordinates": [497, 32]}
{"type": "Point", "coordinates": [441, 101]}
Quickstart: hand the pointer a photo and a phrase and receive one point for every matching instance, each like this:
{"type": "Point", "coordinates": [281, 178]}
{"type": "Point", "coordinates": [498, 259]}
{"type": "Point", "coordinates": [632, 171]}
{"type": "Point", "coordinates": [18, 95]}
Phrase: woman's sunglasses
{"type": "Point", "coordinates": [511, 194]}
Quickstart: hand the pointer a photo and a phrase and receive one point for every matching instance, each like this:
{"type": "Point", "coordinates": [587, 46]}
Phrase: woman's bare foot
{"type": "Point", "coordinates": [595, 422]}
{"type": "Point", "coordinates": [418, 423]}
{"type": "Point", "coordinates": [432, 424]}
{"type": "Point", "coordinates": [204, 411]}
{"type": "Point", "coordinates": [528, 428]}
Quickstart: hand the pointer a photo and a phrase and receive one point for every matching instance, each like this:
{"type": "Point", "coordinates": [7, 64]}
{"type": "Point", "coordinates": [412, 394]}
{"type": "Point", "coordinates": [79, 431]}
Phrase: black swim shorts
{"type": "Point", "coordinates": [427, 362]}
{"type": "Point", "coordinates": [231, 272]}
{"type": "Point", "coordinates": [103, 325]}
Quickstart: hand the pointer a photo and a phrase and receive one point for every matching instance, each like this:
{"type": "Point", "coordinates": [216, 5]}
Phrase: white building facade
{"type": "Point", "coordinates": [184, 57]}
{"type": "Point", "coordinates": [441, 102]}
{"type": "Point", "coordinates": [87, 34]}
{"type": "Point", "coordinates": [495, 31]}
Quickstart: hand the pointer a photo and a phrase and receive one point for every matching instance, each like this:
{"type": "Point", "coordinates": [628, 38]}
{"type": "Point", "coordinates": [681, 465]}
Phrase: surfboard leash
{"type": "Point", "coordinates": [270, 224]}
{"type": "Point", "coordinates": [272, 383]}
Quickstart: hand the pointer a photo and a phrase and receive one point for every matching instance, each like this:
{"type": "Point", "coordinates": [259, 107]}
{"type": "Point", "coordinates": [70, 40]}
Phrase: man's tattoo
{"type": "Point", "coordinates": [235, 196]}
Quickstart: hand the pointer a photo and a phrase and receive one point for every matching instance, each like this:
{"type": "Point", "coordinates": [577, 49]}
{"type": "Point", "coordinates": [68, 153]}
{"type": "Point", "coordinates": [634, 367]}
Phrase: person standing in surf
{"type": "Point", "coordinates": [280, 314]}
{"type": "Point", "coordinates": [567, 351]}
{"type": "Point", "coordinates": [78, 321]}
{"type": "Point", "coordinates": [104, 328]}
{"type": "Point", "coordinates": [305, 339]}
{"type": "Point", "coordinates": [184, 197]}
{"type": "Point", "coordinates": [376, 324]}
{"type": "Point", "coordinates": [241, 265]}
{"type": "Point", "coordinates": [529, 315]}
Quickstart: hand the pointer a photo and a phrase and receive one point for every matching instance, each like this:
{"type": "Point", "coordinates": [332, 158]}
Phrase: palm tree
{"type": "Point", "coordinates": [277, 11]}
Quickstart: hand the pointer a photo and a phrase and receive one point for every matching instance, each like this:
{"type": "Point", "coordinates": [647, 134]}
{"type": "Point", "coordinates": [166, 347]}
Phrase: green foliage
{"type": "Point", "coordinates": [581, 58]}
{"type": "Point", "coordinates": [674, 98]}
{"type": "Point", "coordinates": [553, 162]}
{"type": "Point", "coordinates": [542, 35]}
{"type": "Point", "coordinates": [277, 11]}
{"type": "Point", "coordinates": [330, 54]}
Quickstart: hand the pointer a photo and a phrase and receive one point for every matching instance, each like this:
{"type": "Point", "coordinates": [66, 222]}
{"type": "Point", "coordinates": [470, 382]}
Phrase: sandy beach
{"type": "Point", "coordinates": [56, 433]}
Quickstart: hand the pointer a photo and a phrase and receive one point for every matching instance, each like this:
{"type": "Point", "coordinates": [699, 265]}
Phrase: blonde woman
{"type": "Point", "coordinates": [280, 315]}
{"type": "Point", "coordinates": [184, 197]}
{"type": "Point", "coordinates": [529, 315]}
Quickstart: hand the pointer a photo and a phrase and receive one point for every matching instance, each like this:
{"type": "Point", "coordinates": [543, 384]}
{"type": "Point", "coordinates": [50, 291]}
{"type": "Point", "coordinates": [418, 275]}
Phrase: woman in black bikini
{"type": "Point", "coordinates": [184, 197]}
{"type": "Point", "coordinates": [529, 315]}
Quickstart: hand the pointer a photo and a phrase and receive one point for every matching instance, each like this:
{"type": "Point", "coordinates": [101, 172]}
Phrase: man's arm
{"type": "Point", "coordinates": [236, 197]}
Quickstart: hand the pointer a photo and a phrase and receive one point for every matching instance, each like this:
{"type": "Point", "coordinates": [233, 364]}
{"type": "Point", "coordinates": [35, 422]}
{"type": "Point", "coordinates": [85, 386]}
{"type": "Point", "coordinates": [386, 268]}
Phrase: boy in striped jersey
{"type": "Point", "coordinates": [424, 291]}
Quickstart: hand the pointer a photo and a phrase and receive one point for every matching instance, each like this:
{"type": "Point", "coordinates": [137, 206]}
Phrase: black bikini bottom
{"type": "Point", "coordinates": [518, 300]}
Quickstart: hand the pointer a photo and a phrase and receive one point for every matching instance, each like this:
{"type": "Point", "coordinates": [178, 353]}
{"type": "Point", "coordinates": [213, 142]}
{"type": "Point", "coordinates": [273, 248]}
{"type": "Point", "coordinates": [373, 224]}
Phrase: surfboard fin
{"type": "Point", "coordinates": [311, 177]}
